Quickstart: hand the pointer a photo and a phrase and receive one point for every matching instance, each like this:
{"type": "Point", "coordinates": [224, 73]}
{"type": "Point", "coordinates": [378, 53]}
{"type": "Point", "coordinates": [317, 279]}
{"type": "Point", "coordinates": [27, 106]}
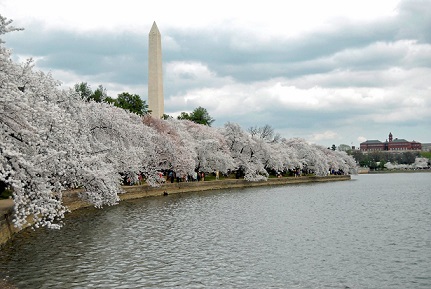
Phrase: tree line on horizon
{"type": "Point", "coordinates": [378, 159]}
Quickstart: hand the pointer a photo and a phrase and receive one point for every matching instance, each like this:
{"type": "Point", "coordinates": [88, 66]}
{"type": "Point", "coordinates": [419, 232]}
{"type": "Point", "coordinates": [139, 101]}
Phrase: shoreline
{"type": "Point", "coordinates": [393, 171]}
{"type": "Point", "coordinates": [72, 201]}
{"type": "Point", "coordinates": [398, 171]}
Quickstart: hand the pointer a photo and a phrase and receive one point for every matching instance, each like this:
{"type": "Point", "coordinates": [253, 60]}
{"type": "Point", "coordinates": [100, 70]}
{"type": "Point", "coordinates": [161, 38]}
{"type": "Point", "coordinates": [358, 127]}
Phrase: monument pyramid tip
{"type": "Point", "coordinates": [154, 27]}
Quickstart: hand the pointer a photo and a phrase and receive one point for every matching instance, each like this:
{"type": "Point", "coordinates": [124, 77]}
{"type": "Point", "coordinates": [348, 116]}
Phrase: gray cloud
{"type": "Point", "coordinates": [350, 79]}
{"type": "Point", "coordinates": [124, 55]}
{"type": "Point", "coordinates": [414, 20]}
{"type": "Point", "coordinates": [118, 57]}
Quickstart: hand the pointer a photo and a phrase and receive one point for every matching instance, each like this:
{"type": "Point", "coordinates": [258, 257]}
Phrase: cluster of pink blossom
{"type": "Point", "coordinates": [51, 140]}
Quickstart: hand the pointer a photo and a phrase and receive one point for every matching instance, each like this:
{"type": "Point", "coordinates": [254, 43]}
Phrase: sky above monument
{"type": "Point", "coordinates": [331, 72]}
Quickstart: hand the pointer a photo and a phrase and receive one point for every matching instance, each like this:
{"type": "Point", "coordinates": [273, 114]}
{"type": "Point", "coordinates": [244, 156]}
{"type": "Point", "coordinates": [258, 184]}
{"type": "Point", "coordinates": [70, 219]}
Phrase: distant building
{"type": "Point", "coordinates": [426, 147]}
{"type": "Point", "coordinates": [372, 145]}
{"type": "Point", "coordinates": [391, 145]}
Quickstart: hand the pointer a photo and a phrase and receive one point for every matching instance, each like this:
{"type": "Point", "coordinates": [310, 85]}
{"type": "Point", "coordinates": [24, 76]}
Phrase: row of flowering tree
{"type": "Point", "coordinates": [52, 140]}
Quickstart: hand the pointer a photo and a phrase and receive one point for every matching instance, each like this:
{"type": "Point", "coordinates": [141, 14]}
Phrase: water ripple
{"type": "Point", "coordinates": [372, 232]}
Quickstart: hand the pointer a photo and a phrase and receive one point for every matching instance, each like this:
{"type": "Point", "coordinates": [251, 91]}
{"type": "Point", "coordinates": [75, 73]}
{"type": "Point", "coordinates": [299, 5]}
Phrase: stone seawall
{"type": "Point", "coordinates": [72, 201]}
{"type": "Point", "coordinates": [7, 230]}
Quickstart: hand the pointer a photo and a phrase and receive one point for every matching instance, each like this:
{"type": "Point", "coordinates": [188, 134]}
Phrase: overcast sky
{"type": "Point", "coordinates": [332, 72]}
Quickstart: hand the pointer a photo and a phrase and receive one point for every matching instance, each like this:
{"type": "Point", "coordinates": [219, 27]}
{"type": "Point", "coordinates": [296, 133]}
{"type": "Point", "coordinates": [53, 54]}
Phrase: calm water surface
{"type": "Point", "coordinates": [371, 232]}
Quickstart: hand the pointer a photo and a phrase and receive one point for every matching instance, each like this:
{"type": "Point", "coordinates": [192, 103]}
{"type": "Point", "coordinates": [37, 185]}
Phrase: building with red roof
{"type": "Point", "coordinates": [391, 145]}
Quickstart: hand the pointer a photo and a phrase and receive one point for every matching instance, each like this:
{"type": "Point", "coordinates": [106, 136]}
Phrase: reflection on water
{"type": "Point", "coordinates": [371, 232]}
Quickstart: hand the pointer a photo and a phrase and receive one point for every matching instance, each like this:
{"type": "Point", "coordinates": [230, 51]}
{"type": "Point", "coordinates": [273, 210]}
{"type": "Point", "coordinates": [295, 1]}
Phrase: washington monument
{"type": "Point", "coordinates": [155, 73]}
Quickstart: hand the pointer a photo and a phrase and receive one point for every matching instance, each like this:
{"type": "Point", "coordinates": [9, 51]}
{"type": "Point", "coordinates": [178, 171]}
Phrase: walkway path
{"type": "Point", "coordinates": [5, 206]}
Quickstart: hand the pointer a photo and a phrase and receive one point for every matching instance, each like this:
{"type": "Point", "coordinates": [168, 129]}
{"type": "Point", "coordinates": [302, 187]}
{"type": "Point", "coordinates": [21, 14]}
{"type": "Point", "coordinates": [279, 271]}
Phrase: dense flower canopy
{"type": "Point", "coordinates": [51, 140]}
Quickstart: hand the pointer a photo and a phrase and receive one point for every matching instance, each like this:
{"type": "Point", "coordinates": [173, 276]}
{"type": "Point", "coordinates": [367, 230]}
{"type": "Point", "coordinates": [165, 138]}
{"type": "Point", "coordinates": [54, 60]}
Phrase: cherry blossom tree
{"type": "Point", "coordinates": [52, 140]}
{"type": "Point", "coordinates": [246, 152]}
{"type": "Point", "coordinates": [174, 146]}
{"type": "Point", "coordinates": [211, 151]}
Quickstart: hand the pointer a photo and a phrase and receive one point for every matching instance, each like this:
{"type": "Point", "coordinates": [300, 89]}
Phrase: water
{"type": "Point", "coordinates": [371, 232]}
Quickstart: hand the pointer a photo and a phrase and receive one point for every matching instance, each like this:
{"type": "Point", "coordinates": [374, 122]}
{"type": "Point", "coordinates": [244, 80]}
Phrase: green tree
{"type": "Point", "coordinates": [407, 157]}
{"type": "Point", "coordinates": [84, 90]}
{"type": "Point", "coordinates": [132, 103]}
{"type": "Point", "coordinates": [184, 115]}
{"type": "Point", "coordinates": [99, 94]}
{"type": "Point", "coordinates": [359, 157]}
{"type": "Point", "coordinates": [373, 165]}
{"type": "Point", "coordinates": [110, 100]}
{"type": "Point", "coordinates": [166, 116]}
{"type": "Point", "coordinates": [344, 148]}
{"type": "Point", "coordinates": [333, 147]}
{"type": "Point", "coordinates": [198, 115]}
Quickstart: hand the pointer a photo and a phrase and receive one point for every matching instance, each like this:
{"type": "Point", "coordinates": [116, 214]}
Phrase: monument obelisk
{"type": "Point", "coordinates": [155, 73]}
